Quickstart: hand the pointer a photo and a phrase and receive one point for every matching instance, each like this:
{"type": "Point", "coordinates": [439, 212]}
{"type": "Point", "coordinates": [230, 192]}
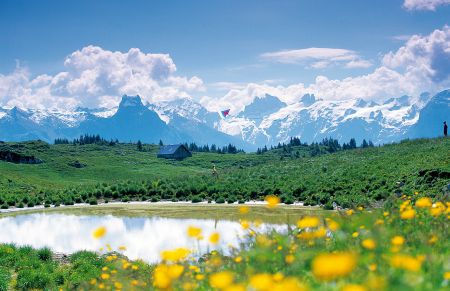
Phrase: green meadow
{"type": "Point", "coordinates": [120, 172]}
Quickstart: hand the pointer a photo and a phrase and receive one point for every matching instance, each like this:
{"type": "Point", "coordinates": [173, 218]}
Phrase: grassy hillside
{"type": "Point", "coordinates": [121, 172]}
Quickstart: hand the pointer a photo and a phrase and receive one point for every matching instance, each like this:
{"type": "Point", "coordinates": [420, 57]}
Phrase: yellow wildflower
{"type": "Point", "coordinates": [437, 209]}
{"type": "Point", "coordinates": [245, 224]}
{"type": "Point", "coordinates": [261, 281]}
{"type": "Point", "coordinates": [176, 255]}
{"type": "Point", "coordinates": [244, 209]}
{"type": "Point", "coordinates": [447, 275]}
{"type": "Point", "coordinates": [308, 221]}
{"type": "Point", "coordinates": [194, 268]}
{"type": "Point", "coordinates": [372, 267]}
{"type": "Point", "coordinates": [194, 232]}
{"type": "Point", "coordinates": [160, 277]}
{"type": "Point", "coordinates": [369, 244]}
{"type": "Point", "coordinates": [99, 232]}
{"type": "Point", "coordinates": [398, 240]}
{"type": "Point", "coordinates": [408, 214]}
{"type": "Point", "coordinates": [332, 225]}
{"type": "Point", "coordinates": [221, 280]}
{"type": "Point", "coordinates": [330, 266]}
{"type": "Point", "coordinates": [406, 262]}
{"type": "Point", "coordinates": [134, 282]}
{"type": "Point", "coordinates": [321, 232]}
{"type": "Point", "coordinates": [238, 259]}
{"type": "Point", "coordinates": [235, 287]}
{"type": "Point", "coordinates": [272, 201]}
{"type": "Point", "coordinates": [423, 202]}
{"type": "Point", "coordinates": [104, 276]}
{"type": "Point", "coordinates": [199, 277]}
{"type": "Point", "coordinates": [122, 248]}
{"type": "Point", "coordinates": [117, 285]}
{"type": "Point", "coordinates": [175, 271]}
{"type": "Point", "coordinates": [214, 238]}
{"type": "Point", "coordinates": [189, 286]}
{"type": "Point", "coordinates": [355, 234]}
{"type": "Point", "coordinates": [277, 277]}
{"type": "Point", "coordinates": [354, 287]}
{"type": "Point", "coordinates": [349, 212]}
{"type": "Point", "coordinates": [289, 259]}
{"type": "Point", "coordinates": [379, 222]}
{"type": "Point", "coordinates": [433, 239]}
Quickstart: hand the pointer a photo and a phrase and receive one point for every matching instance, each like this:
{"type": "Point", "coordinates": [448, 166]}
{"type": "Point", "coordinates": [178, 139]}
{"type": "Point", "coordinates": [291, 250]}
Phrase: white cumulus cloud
{"type": "Point", "coordinates": [424, 4]}
{"type": "Point", "coordinates": [94, 77]}
{"type": "Point", "coordinates": [421, 64]}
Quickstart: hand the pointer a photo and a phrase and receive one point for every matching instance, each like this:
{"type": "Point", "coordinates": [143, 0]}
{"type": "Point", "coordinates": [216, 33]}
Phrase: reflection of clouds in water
{"type": "Point", "coordinates": [144, 238]}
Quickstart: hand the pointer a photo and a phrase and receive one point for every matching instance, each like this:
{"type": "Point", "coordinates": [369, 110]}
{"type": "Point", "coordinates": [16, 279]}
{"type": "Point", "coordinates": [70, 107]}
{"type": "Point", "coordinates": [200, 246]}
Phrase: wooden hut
{"type": "Point", "coordinates": [176, 151]}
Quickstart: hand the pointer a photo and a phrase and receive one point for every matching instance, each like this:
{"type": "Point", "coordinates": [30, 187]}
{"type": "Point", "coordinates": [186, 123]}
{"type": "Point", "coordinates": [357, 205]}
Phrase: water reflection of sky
{"type": "Point", "coordinates": [144, 238]}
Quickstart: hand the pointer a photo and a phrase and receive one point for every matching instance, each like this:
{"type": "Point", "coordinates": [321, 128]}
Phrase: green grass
{"type": "Point", "coordinates": [347, 178]}
{"type": "Point", "coordinates": [304, 257]}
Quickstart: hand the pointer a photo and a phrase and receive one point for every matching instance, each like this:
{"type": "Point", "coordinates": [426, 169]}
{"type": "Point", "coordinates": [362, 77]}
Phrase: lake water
{"type": "Point", "coordinates": [144, 237]}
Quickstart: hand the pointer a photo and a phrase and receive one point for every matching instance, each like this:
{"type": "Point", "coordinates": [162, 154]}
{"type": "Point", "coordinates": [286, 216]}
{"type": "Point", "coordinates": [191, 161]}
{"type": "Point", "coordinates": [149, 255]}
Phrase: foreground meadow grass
{"type": "Point", "coordinates": [402, 247]}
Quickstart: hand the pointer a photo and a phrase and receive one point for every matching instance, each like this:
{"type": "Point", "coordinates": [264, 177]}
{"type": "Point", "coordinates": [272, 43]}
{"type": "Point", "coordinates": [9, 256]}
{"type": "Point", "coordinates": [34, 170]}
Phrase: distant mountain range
{"type": "Point", "coordinates": [267, 120]}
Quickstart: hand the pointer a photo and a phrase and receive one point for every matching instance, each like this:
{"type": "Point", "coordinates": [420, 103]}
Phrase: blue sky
{"type": "Point", "coordinates": [218, 41]}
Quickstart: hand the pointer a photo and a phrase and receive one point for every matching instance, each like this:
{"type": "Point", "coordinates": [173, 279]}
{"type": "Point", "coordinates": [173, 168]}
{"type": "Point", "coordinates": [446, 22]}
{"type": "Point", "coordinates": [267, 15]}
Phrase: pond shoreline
{"type": "Point", "coordinates": [159, 203]}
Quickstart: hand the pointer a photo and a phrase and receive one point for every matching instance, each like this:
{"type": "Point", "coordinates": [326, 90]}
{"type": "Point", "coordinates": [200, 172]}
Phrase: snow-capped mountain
{"type": "Point", "coordinates": [313, 119]}
{"type": "Point", "coordinates": [130, 121]}
{"type": "Point", "coordinates": [267, 120]}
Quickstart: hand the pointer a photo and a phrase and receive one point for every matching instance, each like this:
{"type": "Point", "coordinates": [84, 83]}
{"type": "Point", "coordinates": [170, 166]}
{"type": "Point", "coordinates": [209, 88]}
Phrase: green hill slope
{"type": "Point", "coordinates": [89, 173]}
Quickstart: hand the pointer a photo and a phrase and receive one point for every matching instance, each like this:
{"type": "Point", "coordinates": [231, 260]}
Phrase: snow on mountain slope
{"type": "Point", "coordinates": [313, 119]}
{"type": "Point", "coordinates": [266, 120]}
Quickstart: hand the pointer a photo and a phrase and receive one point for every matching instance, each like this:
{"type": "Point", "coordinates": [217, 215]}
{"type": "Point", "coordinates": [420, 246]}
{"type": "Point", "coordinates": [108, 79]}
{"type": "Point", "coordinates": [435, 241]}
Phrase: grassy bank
{"type": "Point", "coordinates": [281, 215]}
{"type": "Point", "coordinates": [401, 247]}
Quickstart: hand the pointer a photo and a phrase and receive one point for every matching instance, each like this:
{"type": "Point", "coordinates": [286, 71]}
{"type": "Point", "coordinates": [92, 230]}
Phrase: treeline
{"type": "Point", "coordinates": [327, 145]}
{"type": "Point", "coordinates": [228, 149]}
{"type": "Point", "coordinates": [193, 147]}
{"type": "Point", "coordinates": [86, 139]}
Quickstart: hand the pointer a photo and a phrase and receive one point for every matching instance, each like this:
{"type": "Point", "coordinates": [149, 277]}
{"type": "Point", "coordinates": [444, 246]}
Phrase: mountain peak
{"type": "Point", "coordinates": [308, 99]}
{"type": "Point", "coordinates": [131, 101]}
{"type": "Point", "coordinates": [262, 106]}
{"type": "Point", "coordinates": [360, 103]}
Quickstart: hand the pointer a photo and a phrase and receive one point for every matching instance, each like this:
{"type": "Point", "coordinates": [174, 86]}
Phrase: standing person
{"type": "Point", "coordinates": [214, 172]}
{"type": "Point", "coordinates": [445, 128]}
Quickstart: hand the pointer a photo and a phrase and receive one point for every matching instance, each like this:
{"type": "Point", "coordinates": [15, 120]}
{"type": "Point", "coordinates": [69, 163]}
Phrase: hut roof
{"type": "Point", "coordinates": [170, 149]}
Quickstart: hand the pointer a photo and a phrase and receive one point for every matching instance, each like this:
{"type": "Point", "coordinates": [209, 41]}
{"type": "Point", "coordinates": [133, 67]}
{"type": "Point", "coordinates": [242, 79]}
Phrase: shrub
{"type": "Point", "coordinates": [44, 254]}
{"type": "Point", "coordinates": [196, 199]}
{"type": "Point", "coordinates": [93, 201]}
{"type": "Point", "coordinates": [20, 205]}
{"type": "Point", "coordinates": [34, 279]}
{"type": "Point", "coordinates": [5, 278]}
{"type": "Point", "coordinates": [4, 206]}
{"type": "Point", "coordinates": [220, 200]}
